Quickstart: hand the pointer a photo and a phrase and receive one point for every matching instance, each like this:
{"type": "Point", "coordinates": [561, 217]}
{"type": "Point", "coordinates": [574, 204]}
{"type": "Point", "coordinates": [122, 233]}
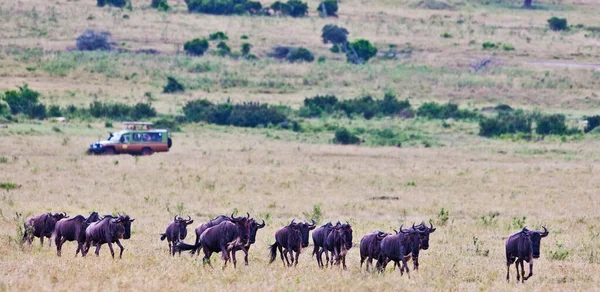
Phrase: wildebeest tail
{"type": "Point", "coordinates": [273, 249]}
{"type": "Point", "coordinates": [181, 246]}
{"type": "Point", "coordinates": [163, 236]}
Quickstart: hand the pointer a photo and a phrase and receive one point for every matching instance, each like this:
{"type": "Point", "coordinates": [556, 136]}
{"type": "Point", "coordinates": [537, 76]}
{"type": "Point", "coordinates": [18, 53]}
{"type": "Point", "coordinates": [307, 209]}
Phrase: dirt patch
{"type": "Point", "coordinates": [384, 198]}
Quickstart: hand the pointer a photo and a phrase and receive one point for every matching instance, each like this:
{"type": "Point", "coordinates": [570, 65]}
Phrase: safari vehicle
{"type": "Point", "coordinates": [137, 139]}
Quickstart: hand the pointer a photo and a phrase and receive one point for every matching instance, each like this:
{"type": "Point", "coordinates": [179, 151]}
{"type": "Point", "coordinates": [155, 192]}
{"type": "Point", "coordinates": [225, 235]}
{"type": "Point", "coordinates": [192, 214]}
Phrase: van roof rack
{"type": "Point", "coordinates": [137, 125]}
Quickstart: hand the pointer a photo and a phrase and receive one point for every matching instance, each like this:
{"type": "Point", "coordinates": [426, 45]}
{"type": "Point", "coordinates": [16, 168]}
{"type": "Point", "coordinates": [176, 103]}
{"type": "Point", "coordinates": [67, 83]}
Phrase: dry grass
{"type": "Point", "coordinates": [213, 172]}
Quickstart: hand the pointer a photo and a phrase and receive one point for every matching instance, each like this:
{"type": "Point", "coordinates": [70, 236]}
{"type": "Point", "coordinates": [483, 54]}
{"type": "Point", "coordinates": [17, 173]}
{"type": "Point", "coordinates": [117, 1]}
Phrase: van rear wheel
{"type": "Point", "coordinates": [146, 151]}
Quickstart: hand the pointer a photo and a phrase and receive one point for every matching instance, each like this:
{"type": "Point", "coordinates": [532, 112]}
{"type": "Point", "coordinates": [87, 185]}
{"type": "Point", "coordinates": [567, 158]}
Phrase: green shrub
{"type": "Point", "coordinates": [223, 49]}
{"type": "Point", "coordinates": [92, 40]}
{"type": "Point", "coordinates": [244, 37]}
{"type": "Point", "coordinates": [161, 5]}
{"type": "Point", "coordinates": [218, 36]}
{"type": "Point", "coordinates": [4, 108]}
{"type": "Point", "coordinates": [345, 137]}
{"type": "Point", "coordinates": [167, 123]}
{"type": "Point", "coordinates": [294, 8]}
{"type": "Point", "coordinates": [318, 106]}
{"type": "Point", "coordinates": [551, 125]}
{"type": "Point", "coordinates": [508, 47]}
{"type": "Point", "coordinates": [115, 3]}
{"type": "Point", "coordinates": [54, 111]}
{"type": "Point", "coordinates": [365, 106]}
{"type": "Point", "coordinates": [446, 35]}
{"type": "Point", "coordinates": [321, 60]}
{"type": "Point", "coordinates": [120, 111]}
{"type": "Point", "coordinates": [334, 34]}
{"type": "Point", "coordinates": [196, 46]}
{"type": "Point", "coordinates": [335, 49]}
{"type": "Point", "coordinates": [331, 7]}
{"type": "Point", "coordinates": [489, 46]}
{"type": "Point", "coordinates": [241, 115]}
{"type": "Point", "coordinates": [506, 123]}
{"type": "Point", "coordinates": [246, 49]}
{"type": "Point", "coordinates": [300, 55]}
{"type": "Point", "coordinates": [360, 51]}
{"type": "Point", "coordinates": [592, 123]}
{"type": "Point", "coordinates": [253, 6]}
{"type": "Point", "coordinates": [557, 24]}
{"type": "Point", "coordinates": [25, 101]}
{"type": "Point", "coordinates": [432, 110]}
{"type": "Point", "coordinates": [173, 86]}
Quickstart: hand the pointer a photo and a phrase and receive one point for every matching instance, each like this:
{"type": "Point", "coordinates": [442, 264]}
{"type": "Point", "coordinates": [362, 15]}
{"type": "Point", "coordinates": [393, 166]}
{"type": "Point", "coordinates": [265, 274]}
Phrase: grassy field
{"type": "Point", "coordinates": [477, 191]}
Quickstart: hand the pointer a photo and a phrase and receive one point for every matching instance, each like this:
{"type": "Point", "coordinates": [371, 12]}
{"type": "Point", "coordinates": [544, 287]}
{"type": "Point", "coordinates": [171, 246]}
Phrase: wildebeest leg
{"type": "Point", "coordinates": [49, 241]}
{"type": "Point", "coordinates": [98, 245]}
{"type": "Point", "coordinates": [42, 240]}
{"type": "Point", "coordinates": [530, 269]}
{"type": "Point", "coordinates": [416, 263]}
{"type": "Point", "coordinates": [233, 259]}
{"type": "Point", "coordinates": [246, 255]}
{"type": "Point", "coordinates": [281, 254]}
{"type": "Point", "coordinates": [291, 252]}
{"type": "Point", "coordinates": [112, 251]}
{"type": "Point", "coordinates": [508, 272]}
{"type": "Point", "coordinates": [59, 243]}
{"type": "Point", "coordinates": [326, 255]}
{"type": "Point", "coordinates": [522, 272]}
{"type": "Point", "coordinates": [206, 259]}
{"type": "Point", "coordinates": [318, 251]}
{"type": "Point", "coordinates": [405, 266]}
{"type": "Point", "coordinates": [344, 261]}
{"type": "Point", "coordinates": [517, 267]}
{"type": "Point", "coordinates": [297, 257]}
{"type": "Point", "coordinates": [121, 247]}
{"type": "Point", "coordinates": [79, 248]}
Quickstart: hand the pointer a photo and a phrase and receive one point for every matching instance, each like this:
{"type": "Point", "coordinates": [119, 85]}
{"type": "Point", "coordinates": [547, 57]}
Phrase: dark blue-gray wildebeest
{"type": "Point", "coordinates": [290, 239]}
{"type": "Point", "coordinates": [338, 242]}
{"type": "Point", "coordinates": [41, 226]}
{"type": "Point", "coordinates": [319, 235]}
{"type": "Point", "coordinates": [227, 237]}
{"type": "Point", "coordinates": [253, 228]}
{"type": "Point", "coordinates": [523, 246]}
{"type": "Point", "coordinates": [176, 232]}
{"type": "Point", "coordinates": [399, 247]}
{"type": "Point", "coordinates": [73, 229]}
{"type": "Point", "coordinates": [370, 247]}
{"type": "Point", "coordinates": [205, 225]}
{"type": "Point", "coordinates": [108, 230]}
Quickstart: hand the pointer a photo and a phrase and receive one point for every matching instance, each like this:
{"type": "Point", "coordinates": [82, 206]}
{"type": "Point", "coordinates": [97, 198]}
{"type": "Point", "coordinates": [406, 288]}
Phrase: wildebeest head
{"type": "Point", "coordinates": [243, 224]}
{"type": "Point", "coordinates": [536, 237]}
{"type": "Point", "coordinates": [381, 235]}
{"type": "Point", "coordinates": [424, 234]}
{"type": "Point", "coordinates": [182, 225]}
{"type": "Point", "coordinates": [304, 230]}
{"type": "Point", "coordinates": [254, 227]}
{"type": "Point", "coordinates": [347, 230]}
{"type": "Point", "coordinates": [125, 222]}
{"type": "Point", "coordinates": [58, 216]}
{"type": "Point", "coordinates": [411, 236]}
{"type": "Point", "coordinates": [92, 218]}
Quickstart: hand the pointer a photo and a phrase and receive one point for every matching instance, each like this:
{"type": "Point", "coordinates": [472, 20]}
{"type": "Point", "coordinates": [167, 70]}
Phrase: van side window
{"type": "Point", "coordinates": [137, 137]}
{"type": "Point", "coordinates": [156, 137]}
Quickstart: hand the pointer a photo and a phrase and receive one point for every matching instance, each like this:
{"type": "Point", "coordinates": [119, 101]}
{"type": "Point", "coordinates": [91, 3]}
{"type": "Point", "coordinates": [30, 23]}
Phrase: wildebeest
{"type": "Point", "coordinates": [203, 226]}
{"type": "Point", "coordinates": [73, 229]}
{"type": "Point", "coordinates": [253, 228]}
{"type": "Point", "coordinates": [108, 230]}
{"type": "Point", "coordinates": [290, 239]}
{"type": "Point", "coordinates": [423, 232]}
{"type": "Point", "coordinates": [176, 231]}
{"type": "Point", "coordinates": [398, 248]}
{"type": "Point", "coordinates": [41, 226]}
{"type": "Point", "coordinates": [523, 246]}
{"type": "Point", "coordinates": [370, 247]}
{"type": "Point", "coordinates": [319, 235]}
{"type": "Point", "coordinates": [228, 236]}
{"type": "Point", "coordinates": [338, 242]}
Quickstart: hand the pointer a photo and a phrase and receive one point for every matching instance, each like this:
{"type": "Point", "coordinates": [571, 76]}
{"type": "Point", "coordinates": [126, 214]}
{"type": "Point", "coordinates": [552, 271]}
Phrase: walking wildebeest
{"type": "Point", "coordinates": [203, 226]}
{"type": "Point", "coordinates": [370, 247]}
{"type": "Point", "coordinates": [108, 230]}
{"type": "Point", "coordinates": [523, 246]}
{"type": "Point", "coordinates": [41, 226]}
{"type": "Point", "coordinates": [424, 232]}
{"type": "Point", "coordinates": [253, 228]}
{"type": "Point", "coordinates": [338, 242]}
{"type": "Point", "coordinates": [290, 239]}
{"type": "Point", "coordinates": [73, 229]}
{"type": "Point", "coordinates": [319, 235]}
{"type": "Point", "coordinates": [176, 232]}
{"type": "Point", "coordinates": [398, 248]}
{"type": "Point", "coordinates": [228, 236]}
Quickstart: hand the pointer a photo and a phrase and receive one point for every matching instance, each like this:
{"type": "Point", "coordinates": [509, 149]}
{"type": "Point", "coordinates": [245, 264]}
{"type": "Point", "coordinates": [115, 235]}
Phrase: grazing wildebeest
{"type": "Point", "coordinates": [228, 236]}
{"type": "Point", "coordinates": [398, 248]}
{"type": "Point", "coordinates": [319, 235]}
{"type": "Point", "coordinates": [73, 229]}
{"type": "Point", "coordinates": [338, 242]}
{"type": "Point", "coordinates": [108, 230]}
{"type": "Point", "coordinates": [370, 247]}
{"type": "Point", "coordinates": [290, 239]}
{"type": "Point", "coordinates": [523, 246]}
{"type": "Point", "coordinates": [41, 226]}
{"type": "Point", "coordinates": [176, 231]}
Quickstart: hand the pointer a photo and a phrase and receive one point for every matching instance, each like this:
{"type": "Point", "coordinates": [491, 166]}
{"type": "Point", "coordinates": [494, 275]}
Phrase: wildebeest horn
{"type": "Point", "coordinates": [313, 223]}
{"type": "Point", "coordinates": [431, 229]}
{"type": "Point", "coordinates": [395, 231]}
{"type": "Point", "coordinates": [189, 218]}
{"type": "Point", "coordinates": [247, 215]}
{"type": "Point", "coordinates": [413, 227]}
{"type": "Point", "coordinates": [292, 223]}
{"type": "Point", "coordinates": [262, 225]}
{"type": "Point", "coordinates": [175, 218]}
{"type": "Point", "coordinates": [545, 233]}
{"type": "Point", "coordinates": [402, 231]}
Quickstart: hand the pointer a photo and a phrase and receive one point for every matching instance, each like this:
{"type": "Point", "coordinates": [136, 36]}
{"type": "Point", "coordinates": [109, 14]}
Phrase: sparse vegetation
{"type": "Point", "coordinates": [173, 86]}
{"type": "Point", "coordinates": [360, 51]}
{"type": "Point", "coordinates": [557, 24]}
{"type": "Point", "coordinates": [345, 137]}
{"type": "Point", "coordinates": [92, 40]}
{"type": "Point", "coordinates": [196, 47]}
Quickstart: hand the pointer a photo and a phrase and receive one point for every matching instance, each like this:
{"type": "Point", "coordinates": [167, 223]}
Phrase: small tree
{"type": "Point", "coordinates": [223, 49]}
{"type": "Point", "coordinates": [173, 86]}
{"type": "Point", "coordinates": [196, 46]}
{"type": "Point", "coordinates": [246, 49]}
{"type": "Point", "coordinates": [115, 3]}
{"type": "Point", "coordinates": [297, 8]}
{"type": "Point", "coordinates": [300, 55]}
{"type": "Point", "coordinates": [91, 40]}
{"type": "Point", "coordinates": [218, 36]}
{"type": "Point", "coordinates": [557, 24]}
{"type": "Point", "coordinates": [360, 51]}
{"type": "Point", "coordinates": [551, 125]}
{"type": "Point", "coordinates": [345, 137]}
{"type": "Point", "coordinates": [328, 8]}
{"type": "Point", "coordinates": [334, 34]}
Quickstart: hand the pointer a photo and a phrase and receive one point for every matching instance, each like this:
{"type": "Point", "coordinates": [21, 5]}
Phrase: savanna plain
{"type": "Point", "coordinates": [475, 190]}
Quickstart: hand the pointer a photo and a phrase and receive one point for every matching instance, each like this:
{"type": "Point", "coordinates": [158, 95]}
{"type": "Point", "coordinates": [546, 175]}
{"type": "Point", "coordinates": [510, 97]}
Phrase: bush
{"type": "Point", "coordinates": [161, 5]}
{"type": "Point", "coordinates": [167, 123]}
{"type": "Point", "coordinates": [335, 49]}
{"type": "Point", "coordinates": [119, 111]}
{"type": "Point", "coordinates": [54, 111]}
{"type": "Point", "coordinates": [253, 6]}
{"type": "Point", "coordinates": [345, 137]}
{"type": "Point", "coordinates": [434, 110]}
{"type": "Point", "coordinates": [223, 49]}
{"type": "Point", "coordinates": [241, 115]}
{"type": "Point", "coordinates": [365, 106]}
{"type": "Point", "coordinates": [505, 123]}
{"type": "Point", "coordinates": [91, 40]}
{"type": "Point", "coordinates": [334, 34]}
{"type": "Point", "coordinates": [557, 24]}
{"type": "Point", "coordinates": [551, 125]}
{"type": "Point", "coordinates": [507, 47]}
{"type": "Point", "coordinates": [4, 108]}
{"type": "Point", "coordinates": [223, 7]}
{"type": "Point", "coordinates": [300, 55]}
{"type": "Point", "coordinates": [489, 46]}
{"type": "Point", "coordinates": [173, 86]}
{"type": "Point", "coordinates": [331, 7]}
{"type": "Point", "coordinates": [115, 3]}
{"type": "Point", "coordinates": [294, 8]}
{"type": "Point", "coordinates": [318, 106]}
{"type": "Point", "coordinates": [446, 35]}
{"type": "Point", "coordinates": [360, 51]}
{"type": "Point", "coordinates": [593, 122]}
{"type": "Point", "coordinates": [25, 101]}
{"type": "Point", "coordinates": [196, 47]}
{"type": "Point", "coordinates": [218, 36]}
{"type": "Point", "coordinates": [246, 49]}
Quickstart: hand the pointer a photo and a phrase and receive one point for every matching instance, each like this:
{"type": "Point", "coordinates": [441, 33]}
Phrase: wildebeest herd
{"type": "Point", "coordinates": [229, 234]}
